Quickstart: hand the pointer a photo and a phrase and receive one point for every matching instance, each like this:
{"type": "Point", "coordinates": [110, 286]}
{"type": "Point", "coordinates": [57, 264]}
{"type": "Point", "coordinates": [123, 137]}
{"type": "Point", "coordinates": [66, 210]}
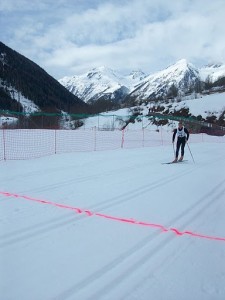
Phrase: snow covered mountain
{"type": "Point", "coordinates": [212, 72]}
{"type": "Point", "coordinates": [26, 87]}
{"type": "Point", "coordinates": [178, 79]}
{"type": "Point", "coordinates": [102, 83]}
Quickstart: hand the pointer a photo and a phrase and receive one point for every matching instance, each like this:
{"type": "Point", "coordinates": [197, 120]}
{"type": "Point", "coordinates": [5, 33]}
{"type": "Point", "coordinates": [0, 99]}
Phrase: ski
{"type": "Point", "coordinates": [172, 162]}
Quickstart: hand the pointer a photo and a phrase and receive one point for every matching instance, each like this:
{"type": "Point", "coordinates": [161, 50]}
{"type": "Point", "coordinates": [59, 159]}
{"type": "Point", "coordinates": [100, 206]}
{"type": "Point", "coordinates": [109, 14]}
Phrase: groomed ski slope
{"type": "Point", "coordinates": [104, 249]}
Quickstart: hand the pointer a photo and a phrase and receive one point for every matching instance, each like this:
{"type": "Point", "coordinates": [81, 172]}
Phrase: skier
{"type": "Point", "coordinates": [182, 138]}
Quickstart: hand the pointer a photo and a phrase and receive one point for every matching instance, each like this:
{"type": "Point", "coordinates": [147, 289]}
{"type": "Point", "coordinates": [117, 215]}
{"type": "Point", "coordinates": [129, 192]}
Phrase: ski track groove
{"type": "Point", "coordinates": [56, 223]}
{"type": "Point", "coordinates": [214, 195]}
{"type": "Point", "coordinates": [63, 183]}
{"type": "Point", "coordinates": [144, 259]}
{"type": "Point", "coordinates": [100, 207]}
{"type": "Point", "coordinates": [202, 205]}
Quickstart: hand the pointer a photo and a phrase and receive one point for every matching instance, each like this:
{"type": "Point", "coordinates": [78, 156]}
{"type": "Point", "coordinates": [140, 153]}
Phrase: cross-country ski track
{"type": "Point", "coordinates": [114, 225]}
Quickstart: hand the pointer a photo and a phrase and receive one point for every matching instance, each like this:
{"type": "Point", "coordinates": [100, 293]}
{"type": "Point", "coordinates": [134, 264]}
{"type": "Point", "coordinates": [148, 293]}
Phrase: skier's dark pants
{"type": "Point", "coordinates": [180, 142]}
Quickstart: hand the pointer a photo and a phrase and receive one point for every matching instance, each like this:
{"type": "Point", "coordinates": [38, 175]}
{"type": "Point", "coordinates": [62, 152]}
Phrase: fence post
{"type": "Point", "coordinates": [4, 146]}
{"type": "Point", "coordinates": [55, 143]}
{"type": "Point", "coordinates": [122, 141]}
{"type": "Point", "coordinates": [161, 136]}
{"type": "Point", "coordinates": [95, 138]}
{"type": "Point", "coordinates": [143, 136]}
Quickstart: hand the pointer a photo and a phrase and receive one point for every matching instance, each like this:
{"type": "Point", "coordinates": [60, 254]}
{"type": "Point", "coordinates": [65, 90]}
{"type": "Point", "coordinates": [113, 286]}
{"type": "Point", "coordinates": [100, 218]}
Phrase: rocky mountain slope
{"type": "Point", "coordinates": [178, 79]}
{"type": "Point", "coordinates": [102, 83]}
{"type": "Point", "coordinates": [26, 87]}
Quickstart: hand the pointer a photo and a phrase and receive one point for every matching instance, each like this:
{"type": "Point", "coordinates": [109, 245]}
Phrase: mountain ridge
{"type": "Point", "coordinates": [101, 82]}
{"type": "Point", "coordinates": [179, 78]}
{"type": "Point", "coordinates": [22, 80]}
{"type": "Point", "coordinates": [26, 87]}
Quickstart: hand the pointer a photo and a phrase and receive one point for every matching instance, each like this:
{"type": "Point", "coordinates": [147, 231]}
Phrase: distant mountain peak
{"type": "Point", "coordinates": [99, 72]}
{"type": "Point", "coordinates": [137, 74]}
{"type": "Point", "coordinates": [181, 64]}
{"type": "Point", "coordinates": [182, 61]}
{"type": "Point", "coordinates": [102, 69]}
{"type": "Point", "coordinates": [214, 65]}
{"type": "Point", "coordinates": [103, 82]}
{"type": "Point", "coordinates": [212, 71]}
{"type": "Point", "coordinates": [182, 75]}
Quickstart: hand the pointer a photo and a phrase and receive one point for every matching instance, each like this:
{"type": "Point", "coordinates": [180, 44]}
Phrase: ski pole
{"type": "Point", "coordinates": [174, 150]}
{"type": "Point", "coordinates": [191, 153]}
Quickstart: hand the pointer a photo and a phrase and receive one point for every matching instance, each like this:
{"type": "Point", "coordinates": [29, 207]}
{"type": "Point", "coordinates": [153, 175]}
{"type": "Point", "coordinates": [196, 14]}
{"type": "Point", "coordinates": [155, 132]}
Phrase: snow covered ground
{"type": "Point", "coordinates": [206, 105]}
{"type": "Point", "coordinates": [114, 225]}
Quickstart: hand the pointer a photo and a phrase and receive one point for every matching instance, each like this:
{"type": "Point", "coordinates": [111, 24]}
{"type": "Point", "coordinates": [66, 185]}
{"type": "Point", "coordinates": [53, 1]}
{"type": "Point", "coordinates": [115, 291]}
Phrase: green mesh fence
{"type": "Point", "coordinates": [45, 120]}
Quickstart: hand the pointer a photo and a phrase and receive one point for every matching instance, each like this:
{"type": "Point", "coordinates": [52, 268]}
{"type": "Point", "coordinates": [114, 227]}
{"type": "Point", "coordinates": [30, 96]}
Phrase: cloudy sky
{"type": "Point", "coordinates": [69, 37]}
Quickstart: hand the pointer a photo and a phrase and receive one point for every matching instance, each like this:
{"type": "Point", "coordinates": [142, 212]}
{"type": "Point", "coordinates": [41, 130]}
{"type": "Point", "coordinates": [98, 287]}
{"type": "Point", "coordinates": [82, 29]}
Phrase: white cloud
{"type": "Point", "coordinates": [68, 38]}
